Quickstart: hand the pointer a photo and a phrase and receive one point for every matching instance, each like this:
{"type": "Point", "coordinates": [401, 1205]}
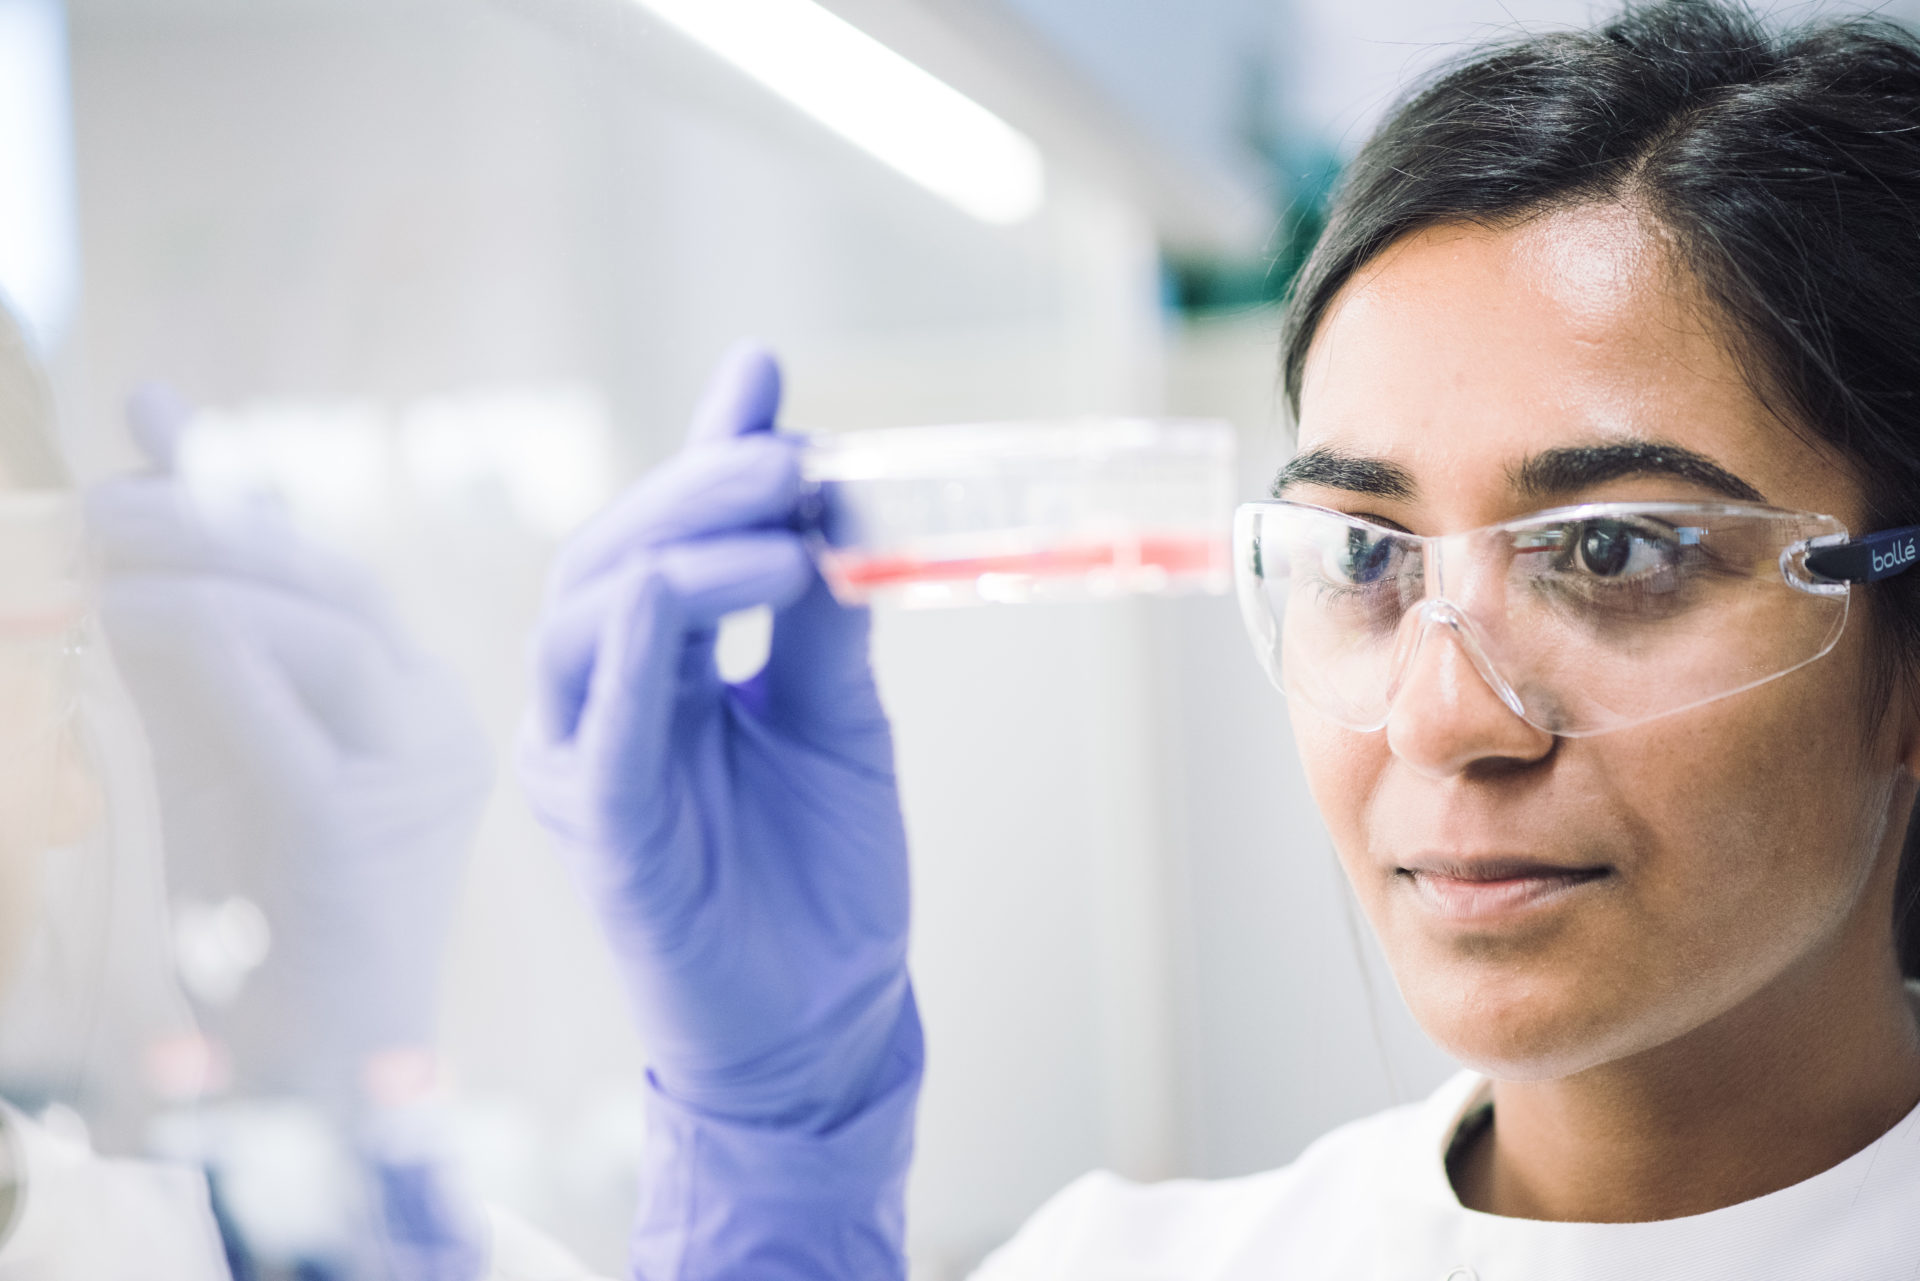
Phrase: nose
{"type": "Point", "coordinates": [1446, 717]}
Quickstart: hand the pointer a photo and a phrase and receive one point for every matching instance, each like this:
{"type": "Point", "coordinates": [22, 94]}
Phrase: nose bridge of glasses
{"type": "Point", "coordinates": [1438, 613]}
{"type": "Point", "coordinates": [1468, 569]}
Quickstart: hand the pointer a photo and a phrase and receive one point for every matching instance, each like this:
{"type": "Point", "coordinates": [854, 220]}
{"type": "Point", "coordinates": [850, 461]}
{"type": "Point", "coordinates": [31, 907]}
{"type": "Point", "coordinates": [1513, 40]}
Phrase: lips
{"type": "Point", "coordinates": [1485, 889]}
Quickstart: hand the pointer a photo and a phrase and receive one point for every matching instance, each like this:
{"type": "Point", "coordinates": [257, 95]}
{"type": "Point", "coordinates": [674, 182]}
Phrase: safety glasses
{"type": "Point", "coordinates": [1581, 619]}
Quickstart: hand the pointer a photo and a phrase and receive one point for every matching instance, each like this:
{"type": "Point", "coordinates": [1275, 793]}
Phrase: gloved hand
{"type": "Point", "coordinates": [309, 760]}
{"type": "Point", "coordinates": [744, 849]}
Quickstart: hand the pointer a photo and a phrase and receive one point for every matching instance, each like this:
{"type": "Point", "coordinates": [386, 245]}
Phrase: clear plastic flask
{"type": "Point", "coordinates": [1024, 511]}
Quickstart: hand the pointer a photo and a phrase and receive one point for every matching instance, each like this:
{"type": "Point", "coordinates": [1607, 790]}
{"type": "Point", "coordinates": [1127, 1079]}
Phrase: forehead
{"type": "Point", "coordinates": [1461, 350]}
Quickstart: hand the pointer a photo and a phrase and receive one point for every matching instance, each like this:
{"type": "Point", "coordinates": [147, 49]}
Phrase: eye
{"type": "Point", "coordinates": [1617, 549]}
{"type": "Point", "coordinates": [1368, 557]}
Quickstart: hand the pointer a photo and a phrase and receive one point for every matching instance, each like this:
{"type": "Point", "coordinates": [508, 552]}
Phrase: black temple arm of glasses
{"type": "Point", "coordinates": [1868, 559]}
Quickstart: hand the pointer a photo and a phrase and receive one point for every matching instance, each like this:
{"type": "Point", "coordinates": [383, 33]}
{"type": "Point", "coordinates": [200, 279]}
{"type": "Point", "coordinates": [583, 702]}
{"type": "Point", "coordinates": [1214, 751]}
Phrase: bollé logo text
{"type": "Point", "coordinates": [1897, 555]}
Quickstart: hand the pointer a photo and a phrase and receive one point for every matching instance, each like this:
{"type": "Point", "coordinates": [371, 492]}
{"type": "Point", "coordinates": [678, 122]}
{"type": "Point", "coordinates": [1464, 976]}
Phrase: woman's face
{"type": "Point", "coordinates": [1720, 848]}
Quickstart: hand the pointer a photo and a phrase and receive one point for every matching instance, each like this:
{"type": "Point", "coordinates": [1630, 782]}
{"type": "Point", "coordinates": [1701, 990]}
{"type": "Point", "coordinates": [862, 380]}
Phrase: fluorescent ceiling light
{"type": "Point", "coordinates": [873, 97]}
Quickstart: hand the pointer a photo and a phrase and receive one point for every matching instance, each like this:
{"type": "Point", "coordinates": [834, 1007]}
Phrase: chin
{"type": "Point", "coordinates": [1515, 1025]}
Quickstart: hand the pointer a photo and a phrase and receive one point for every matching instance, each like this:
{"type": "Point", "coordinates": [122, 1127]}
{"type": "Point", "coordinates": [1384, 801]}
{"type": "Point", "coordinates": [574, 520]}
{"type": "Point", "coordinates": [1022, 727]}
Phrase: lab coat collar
{"type": "Point", "coordinates": [1859, 1220]}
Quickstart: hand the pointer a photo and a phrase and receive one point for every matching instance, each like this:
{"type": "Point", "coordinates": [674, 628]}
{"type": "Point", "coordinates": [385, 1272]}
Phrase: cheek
{"type": "Point", "coordinates": [1343, 769]}
{"type": "Point", "coordinates": [1744, 853]}
{"type": "Point", "coordinates": [1741, 837]}
{"type": "Point", "coordinates": [1755, 818]}
{"type": "Point", "coordinates": [1348, 773]}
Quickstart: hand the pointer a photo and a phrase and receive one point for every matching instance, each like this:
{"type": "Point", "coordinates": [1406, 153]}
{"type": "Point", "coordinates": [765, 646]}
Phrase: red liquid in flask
{"type": "Point", "coordinates": [1172, 555]}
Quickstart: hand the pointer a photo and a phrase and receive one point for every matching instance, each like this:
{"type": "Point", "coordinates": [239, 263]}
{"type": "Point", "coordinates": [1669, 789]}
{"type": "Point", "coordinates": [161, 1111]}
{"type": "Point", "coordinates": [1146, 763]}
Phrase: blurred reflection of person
{"type": "Point", "coordinates": [318, 783]}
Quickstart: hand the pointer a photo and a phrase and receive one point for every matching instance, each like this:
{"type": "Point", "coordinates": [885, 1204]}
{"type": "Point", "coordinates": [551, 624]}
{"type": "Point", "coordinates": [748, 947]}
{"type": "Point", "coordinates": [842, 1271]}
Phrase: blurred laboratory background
{"type": "Point", "coordinates": [441, 276]}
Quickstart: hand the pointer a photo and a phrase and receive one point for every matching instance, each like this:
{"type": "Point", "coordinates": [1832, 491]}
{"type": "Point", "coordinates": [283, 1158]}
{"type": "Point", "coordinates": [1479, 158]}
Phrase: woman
{"type": "Point", "coordinates": [1626, 793]}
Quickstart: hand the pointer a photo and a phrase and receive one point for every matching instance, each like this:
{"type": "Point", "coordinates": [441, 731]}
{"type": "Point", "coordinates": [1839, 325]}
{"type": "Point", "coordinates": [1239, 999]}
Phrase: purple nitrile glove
{"type": "Point", "coordinates": [743, 847]}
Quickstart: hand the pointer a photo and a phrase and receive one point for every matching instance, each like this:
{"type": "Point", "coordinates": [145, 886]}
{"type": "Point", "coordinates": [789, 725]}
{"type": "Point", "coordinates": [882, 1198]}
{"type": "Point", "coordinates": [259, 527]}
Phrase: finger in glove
{"type": "Point", "coordinates": [711, 488]}
{"type": "Point", "coordinates": [587, 637]}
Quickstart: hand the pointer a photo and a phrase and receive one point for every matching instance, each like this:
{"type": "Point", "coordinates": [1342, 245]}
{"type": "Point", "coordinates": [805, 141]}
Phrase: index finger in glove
{"type": "Point", "coordinates": [742, 397]}
{"type": "Point", "coordinates": [690, 586]}
{"type": "Point", "coordinates": [710, 488]}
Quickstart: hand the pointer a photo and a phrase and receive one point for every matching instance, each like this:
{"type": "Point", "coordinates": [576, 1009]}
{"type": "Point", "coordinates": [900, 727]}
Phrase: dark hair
{"type": "Point", "coordinates": [1783, 167]}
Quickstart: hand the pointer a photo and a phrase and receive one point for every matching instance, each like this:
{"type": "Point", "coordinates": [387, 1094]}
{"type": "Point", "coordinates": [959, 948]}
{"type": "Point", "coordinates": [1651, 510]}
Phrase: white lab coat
{"type": "Point", "coordinates": [1369, 1201]}
{"type": "Point", "coordinates": [1372, 1201]}
{"type": "Point", "coordinates": [85, 1217]}
{"type": "Point", "coordinates": [81, 1216]}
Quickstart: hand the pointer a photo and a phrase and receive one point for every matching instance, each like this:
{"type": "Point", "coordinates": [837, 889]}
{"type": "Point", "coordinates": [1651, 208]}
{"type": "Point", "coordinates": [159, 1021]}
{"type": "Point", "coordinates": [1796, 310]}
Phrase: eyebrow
{"type": "Point", "coordinates": [1350, 472]}
{"type": "Point", "coordinates": [1552, 473]}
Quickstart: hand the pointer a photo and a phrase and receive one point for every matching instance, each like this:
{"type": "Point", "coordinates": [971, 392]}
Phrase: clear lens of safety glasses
{"type": "Point", "coordinates": [1581, 619]}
